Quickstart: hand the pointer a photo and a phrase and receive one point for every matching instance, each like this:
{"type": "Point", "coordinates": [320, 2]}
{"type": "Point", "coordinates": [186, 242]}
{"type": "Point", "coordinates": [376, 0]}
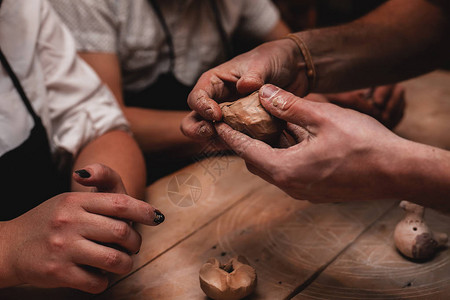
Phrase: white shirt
{"type": "Point", "coordinates": [74, 106]}
{"type": "Point", "coordinates": [131, 29]}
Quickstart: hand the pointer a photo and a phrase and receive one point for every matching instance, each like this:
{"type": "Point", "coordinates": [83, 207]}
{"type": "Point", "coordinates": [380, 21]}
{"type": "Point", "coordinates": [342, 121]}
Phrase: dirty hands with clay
{"type": "Point", "coordinates": [278, 62]}
{"type": "Point", "coordinates": [340, 153]}
{"type": "Point", "coordinates": [73, 239]}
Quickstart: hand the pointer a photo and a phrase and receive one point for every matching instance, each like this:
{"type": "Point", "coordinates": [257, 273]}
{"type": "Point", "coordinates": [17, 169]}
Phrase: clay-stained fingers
{"type": "Point", "coordinates": [209, 89]}
{"type": "Point", "coordinates": [195, 127]}
{"type": "Point", "coordinates": [112, 231]}
{"type": "Point", "coordinates": [297, 132]}
{"type": "Point", "coordinates": [123, 207]}
{"type": "Point", "coordinates": [288, 107]}
{"type": "Point", "coordinates": [381, 96]}
{"type": "Point", "coordinates": [102, 177]}
{"type": "Point", "coordinates": [102, 257]}
{"type": "Point", "coordinates": [253, 151]}
{"type": "Point", "coordinates": [395, 107]}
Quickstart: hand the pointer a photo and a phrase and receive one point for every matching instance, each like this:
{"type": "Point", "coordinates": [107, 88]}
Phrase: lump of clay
{"type": "Point", "coordinates": [231, 281]}
{"type": "Point", "coordinates": [413, 238]}
{"type": "Point", "coordinates": [247, 115]}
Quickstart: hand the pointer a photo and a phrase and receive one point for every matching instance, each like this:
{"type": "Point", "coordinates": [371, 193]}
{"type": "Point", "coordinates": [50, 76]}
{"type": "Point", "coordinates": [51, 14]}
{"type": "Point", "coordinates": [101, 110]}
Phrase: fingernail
{"type": "Point", "coordinates": [204, 131]}
{"type": "Point", "coordinates": [159, 217]}
{"type": "Point", "coordinates": [137, 252]}
{"type": "Point", "coordinates": [268, 91]}
{"type": "Point", "coordinates": [83, 173]}
{"type": "Point", "coordinates": [209, 111]}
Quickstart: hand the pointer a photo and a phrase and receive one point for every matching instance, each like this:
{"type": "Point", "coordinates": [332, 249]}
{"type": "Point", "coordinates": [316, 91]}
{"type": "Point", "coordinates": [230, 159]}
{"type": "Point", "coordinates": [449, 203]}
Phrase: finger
{"type": "Point", "coordinates": [252, 151]}
{"type": "Point", "coordinates": [122, 207]}
{"type": "Point", "coordinates": [100, 176]}
{"type": "Point", "coordinates": [289, 107]}
{"type": "Point", "coordinates": [209, 89]}
{"type": "Point", "coordinates": [112, 231]}
{"type": "Point", "coordinates": [250, 81]}
{"type": "Point", "coordinates": [102, 257]}
{"type": "Point", "coordinates": [285, 140]}
{"type": "Point", "coordinates": [396, 107]}
{"type": "Point", "coordinates": [195, 127]}
{"type": "Point", "coordinates": [85, 279]}
{"type": "Point", "coordinates": [297, 132]}
{"type": "Point", "coordinates": [381, 96]}
{"type": "Point", "coordinates": [395, 100]}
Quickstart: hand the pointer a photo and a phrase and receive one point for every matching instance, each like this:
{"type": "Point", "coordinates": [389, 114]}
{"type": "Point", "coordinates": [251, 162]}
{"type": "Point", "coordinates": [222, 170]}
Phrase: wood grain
{"type": "Point", "coordinates": [372, 268]}
{"type": "Point", "coordinates": [286, 240]}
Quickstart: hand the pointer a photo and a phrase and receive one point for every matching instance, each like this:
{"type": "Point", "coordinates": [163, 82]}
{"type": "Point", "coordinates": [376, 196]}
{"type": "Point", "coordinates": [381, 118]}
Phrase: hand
{"type": "Point", "coordinates": [384, 103]}
{"type": "Point", "coordinates": [340, 154]}
{"type": "Point", "coordinates": [72, 239]}
{"type": "Point", "coordinates": [277, 62]}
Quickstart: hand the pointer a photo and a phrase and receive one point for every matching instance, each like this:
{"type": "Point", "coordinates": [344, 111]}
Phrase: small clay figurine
{"type": "Point", "coordinates": [232, 281]}
{"type": "Point", "coordinates": [413, 238]}
{"type": "Point", "coordinates": [247, 115]}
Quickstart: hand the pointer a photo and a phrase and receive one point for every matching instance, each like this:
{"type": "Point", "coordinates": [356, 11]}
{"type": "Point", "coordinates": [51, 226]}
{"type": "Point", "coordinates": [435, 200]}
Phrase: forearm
{"type": "Point", "coordinates": [421, 174]}
{"type": "Point", "coordinates": [118, 150]}
{"type": "Point", "coordinates": [159, 130]}
{"type": "Point", "coordinates": [400, 39]}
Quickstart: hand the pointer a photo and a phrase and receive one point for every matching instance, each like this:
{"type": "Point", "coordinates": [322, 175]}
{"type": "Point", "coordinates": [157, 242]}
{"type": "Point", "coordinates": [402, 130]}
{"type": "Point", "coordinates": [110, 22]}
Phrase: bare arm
{"type": "Point", "coordinates": [118, 150]}
{"type": "Point", "coordinates": [399, 40]}
{"type": "Point", "coordinates": [154, 130]}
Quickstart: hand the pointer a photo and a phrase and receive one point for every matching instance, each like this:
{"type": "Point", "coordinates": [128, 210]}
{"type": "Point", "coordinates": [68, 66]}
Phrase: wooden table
{"type": "Point", "coordinates": [216, 208]}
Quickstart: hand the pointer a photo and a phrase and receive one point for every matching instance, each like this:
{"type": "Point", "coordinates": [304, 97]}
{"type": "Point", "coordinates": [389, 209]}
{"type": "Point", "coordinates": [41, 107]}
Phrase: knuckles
{"type": "Point", "coordinates": [118, 262]}
{"type": "Point", "coordinates": [121, 231]}
{"type": "Point", "coordinates": [119, 202]}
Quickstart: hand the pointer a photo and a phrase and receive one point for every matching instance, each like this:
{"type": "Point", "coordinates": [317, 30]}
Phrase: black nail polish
{"type": "Point", "coordinates": [159, 217]}
{"type": "Point", "coordinates": [83, 173]}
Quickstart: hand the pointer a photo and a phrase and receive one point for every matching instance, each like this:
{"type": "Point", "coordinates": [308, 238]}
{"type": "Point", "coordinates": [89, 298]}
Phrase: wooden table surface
{"type": "Point", "coordinates": [216, 208]}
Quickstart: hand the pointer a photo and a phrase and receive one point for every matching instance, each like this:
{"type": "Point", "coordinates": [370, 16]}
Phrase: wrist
{"type": "Point", "coordinates": [296, 82]}
{"type": "Point", "coordinates": [421, 174]}
{"type": "Point", "coordinates": [310, 70]}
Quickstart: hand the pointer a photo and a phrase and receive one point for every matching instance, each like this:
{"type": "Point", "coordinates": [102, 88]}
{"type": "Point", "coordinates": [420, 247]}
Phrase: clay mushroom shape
{"type": "Point", "coordinates": [232, 281]}
{"type": "Point", "coordinates": [412, 236]}
{"type": "Point", "coordinates": [247, 115]}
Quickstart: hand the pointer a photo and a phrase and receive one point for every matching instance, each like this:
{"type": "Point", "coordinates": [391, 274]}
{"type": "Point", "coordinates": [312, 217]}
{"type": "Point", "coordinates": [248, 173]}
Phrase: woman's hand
{"type": "Point", "coordinates": [72, 239]}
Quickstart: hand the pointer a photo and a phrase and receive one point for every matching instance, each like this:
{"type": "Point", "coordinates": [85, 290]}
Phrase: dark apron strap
{"type": "Point", "coordinates": [169, 39]}
{"type": "Point", "coordinates": [17, 84]}
{"type": "Point", "coordinates": [28, 171]}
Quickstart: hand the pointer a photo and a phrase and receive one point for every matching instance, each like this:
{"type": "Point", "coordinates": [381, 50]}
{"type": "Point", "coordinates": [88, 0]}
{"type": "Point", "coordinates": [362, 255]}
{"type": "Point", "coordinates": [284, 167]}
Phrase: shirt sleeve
{"type": "Point", "coordinates": [93, 23]}
{"type": "Point", "coordinates": [80, 107]}
{"type": "Point", "coordinates": [259, 17]}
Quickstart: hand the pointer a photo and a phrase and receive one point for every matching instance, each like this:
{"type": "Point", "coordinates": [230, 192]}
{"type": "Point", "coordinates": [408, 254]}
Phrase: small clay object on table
{"type": "Point", "coordinates": [412, 236]}
{"type": "Point", "coordinates": [231, 281]}
{"type": "Point", "coordinates": [247, 115]}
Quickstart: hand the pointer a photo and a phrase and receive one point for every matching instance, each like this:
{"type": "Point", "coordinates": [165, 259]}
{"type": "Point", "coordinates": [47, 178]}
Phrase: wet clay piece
{"type": "Point", "coordinates": [412, 236]}
{"type": "Point", "coordinates": [247, 115]}
{"type": "Point", "coordinates": [231, 281]}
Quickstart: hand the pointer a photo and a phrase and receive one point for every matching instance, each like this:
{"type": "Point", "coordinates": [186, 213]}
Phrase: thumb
{"type": "Point", "coordinates": [288, 107]}
{"type": "Point", "coordinates": [103, 178]}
